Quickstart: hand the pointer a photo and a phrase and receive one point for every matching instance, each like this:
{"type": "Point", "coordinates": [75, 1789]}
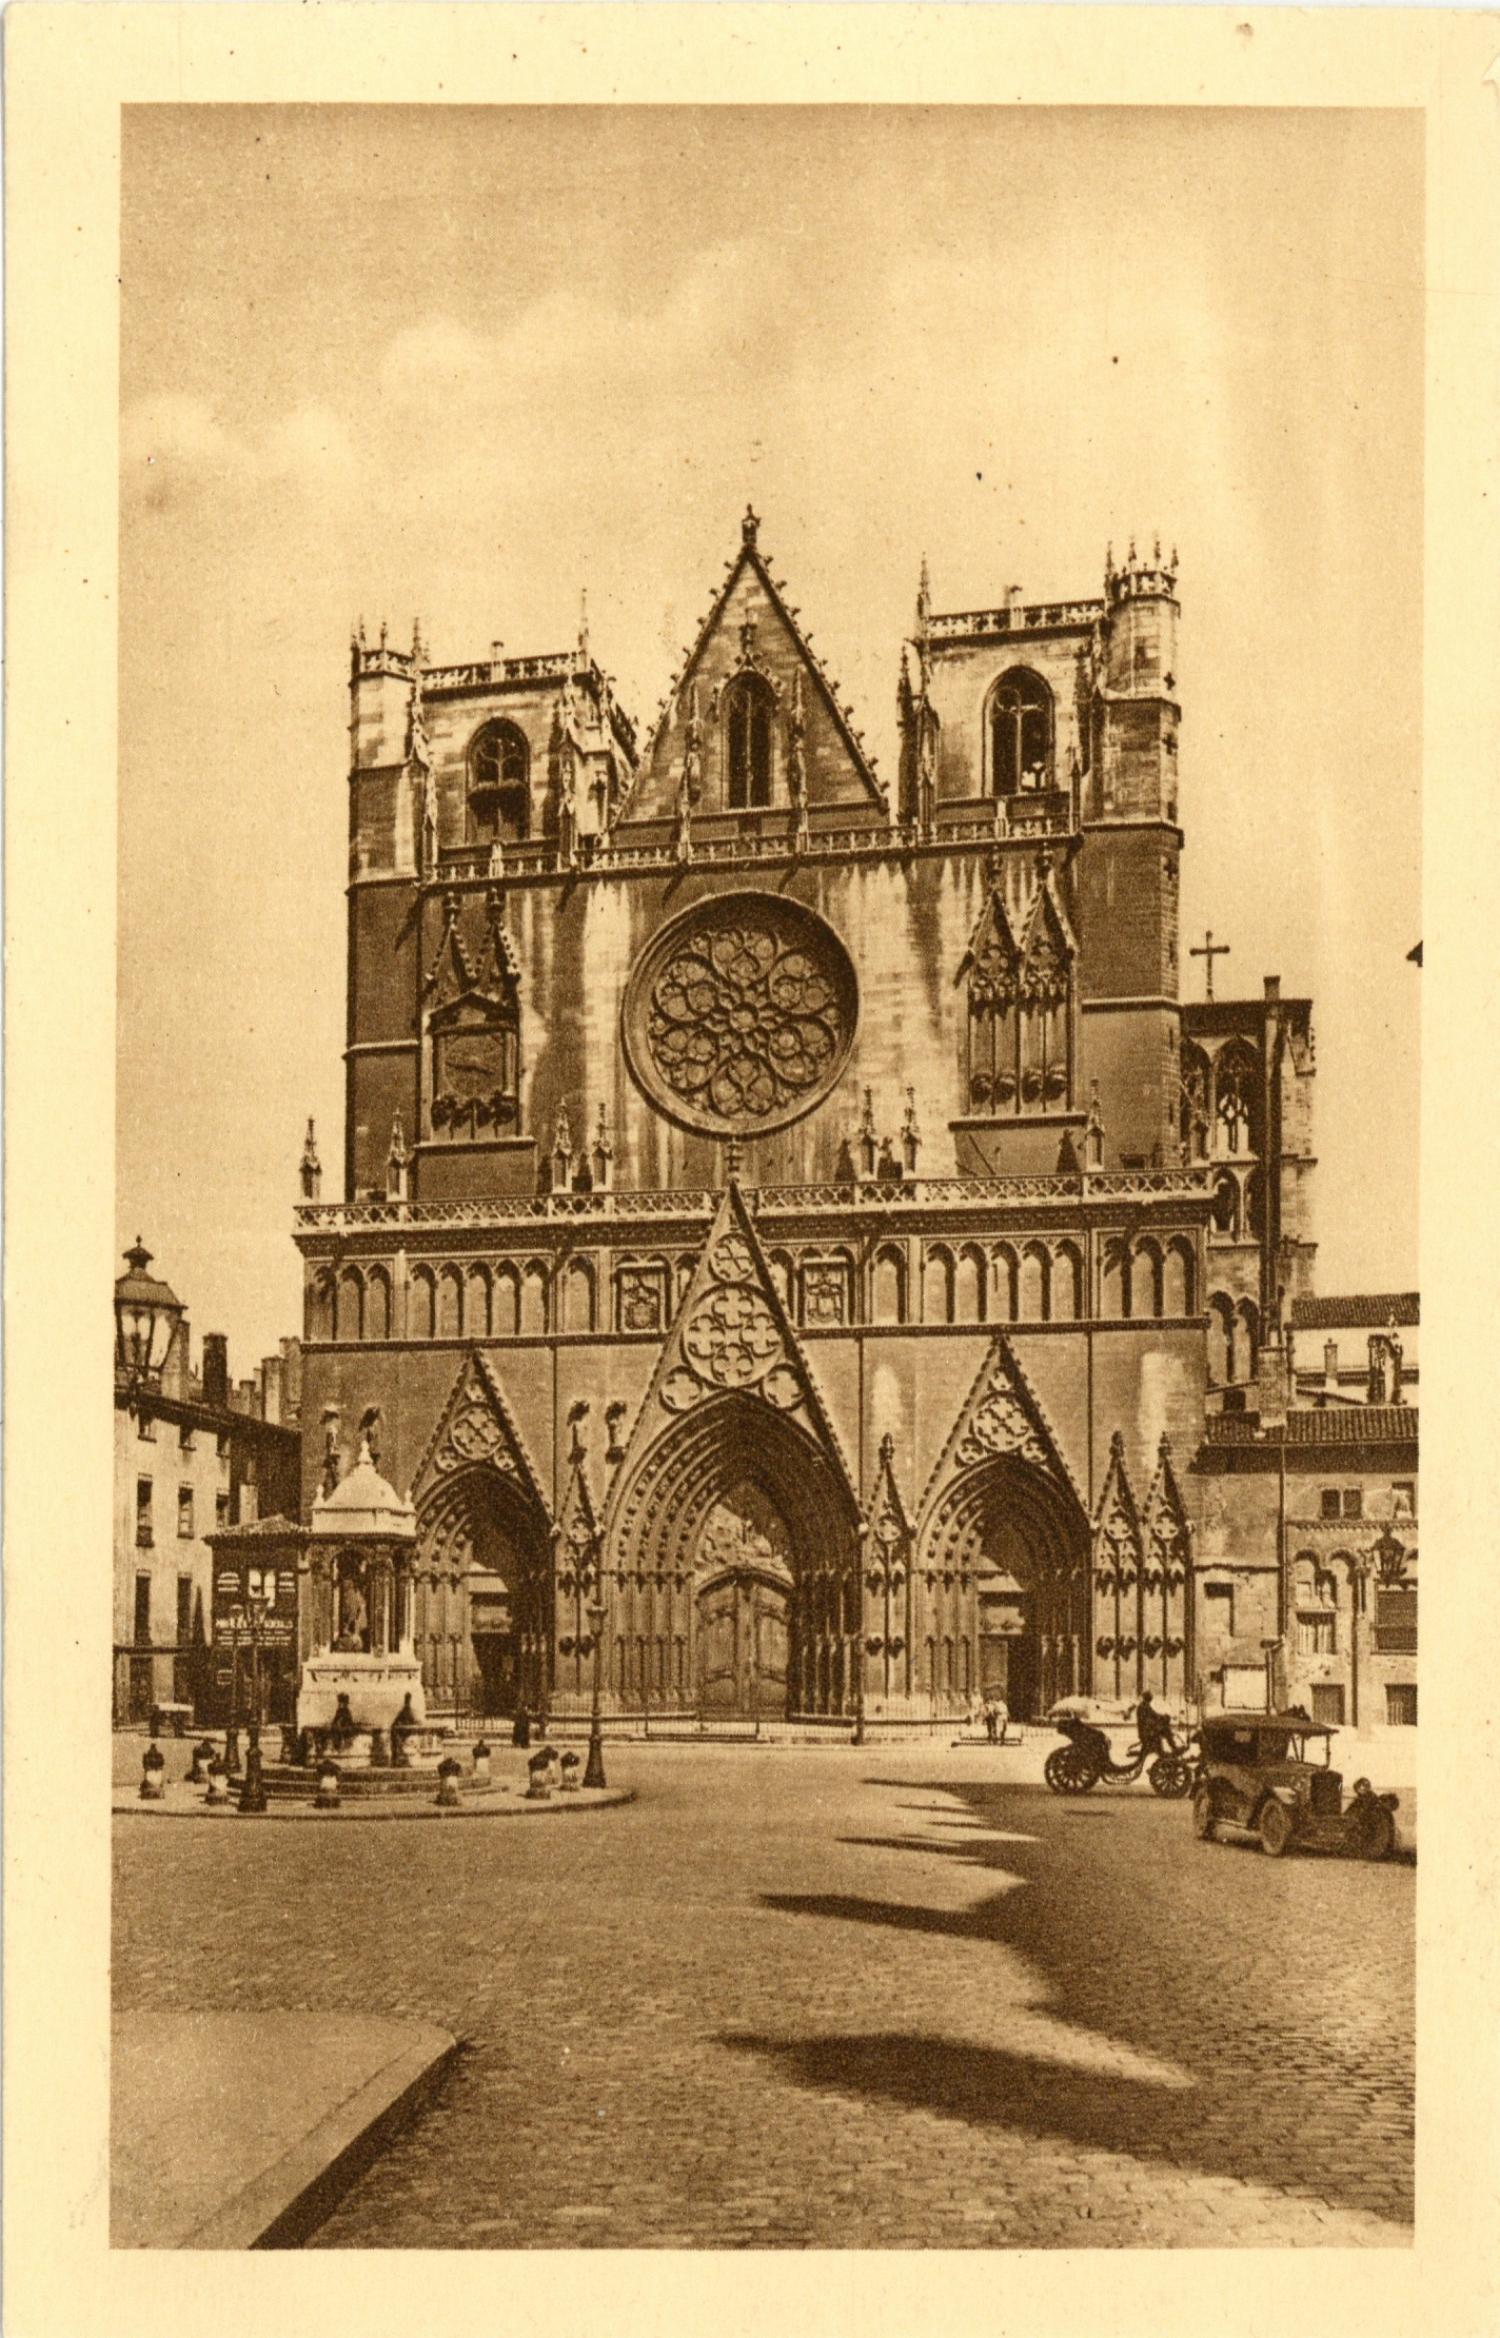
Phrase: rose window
{"type": "Point", "coordinates": [741, 1014]}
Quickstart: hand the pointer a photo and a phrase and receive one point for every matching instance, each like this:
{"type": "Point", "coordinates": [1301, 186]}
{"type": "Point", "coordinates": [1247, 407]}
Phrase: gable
{"type": "Point", "coordinates": [731, 1335]}
{"type": "Point", "coordinates": [816, 755]}
{"type": "Point", "coordinates": [475, 1429]}
{"type": "Point", "coordinates": [1001, 1415]}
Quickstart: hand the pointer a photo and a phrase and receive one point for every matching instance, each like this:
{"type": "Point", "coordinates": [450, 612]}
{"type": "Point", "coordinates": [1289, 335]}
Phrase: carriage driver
{"type": "Point", "coordinates": [1154, 1729]}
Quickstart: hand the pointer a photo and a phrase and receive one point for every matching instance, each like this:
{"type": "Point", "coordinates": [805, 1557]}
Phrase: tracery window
{"type": "Point", "coordinates": [1236, 1101]}
{"type": "Point", "coordinates": [1020, 728]}
{"type": "Point", "coordinates": [1019, 1024]}
{"type": "Point", "coordinates": [748, 713]}
{"type": "Point", "coordinates": [499, 785]}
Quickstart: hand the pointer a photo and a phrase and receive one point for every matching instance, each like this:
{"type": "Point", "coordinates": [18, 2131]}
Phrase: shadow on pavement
{"type": "Point", "coordinates": [1027, 2094]}
{"type": "Point", "coordinates": [1283, 1992]}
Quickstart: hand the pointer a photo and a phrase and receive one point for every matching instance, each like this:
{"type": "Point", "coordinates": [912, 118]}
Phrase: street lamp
{"type": "Point", "coordinates": [147, 1314]}
{"type": "Point", "coordinates": [235, 1619]}
{"type": "Point", "coordinates": [594, 1773]}
{"type": "Point", "coordinates": [253, 1791]}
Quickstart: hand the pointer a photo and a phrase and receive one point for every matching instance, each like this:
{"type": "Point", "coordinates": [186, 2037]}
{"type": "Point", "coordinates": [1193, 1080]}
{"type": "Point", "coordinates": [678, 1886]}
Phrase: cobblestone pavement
{"type": "Point", "coordinates": [878, 1998]}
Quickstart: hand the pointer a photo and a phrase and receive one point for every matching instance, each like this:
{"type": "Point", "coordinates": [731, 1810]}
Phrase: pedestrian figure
{"type": "Point", "coordinates": [991, 1721]}
{"type": "Point", "coordinates": [521, 1728]}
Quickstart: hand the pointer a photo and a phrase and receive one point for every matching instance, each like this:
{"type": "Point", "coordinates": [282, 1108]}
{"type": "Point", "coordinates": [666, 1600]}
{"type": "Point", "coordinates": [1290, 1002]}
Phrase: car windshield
{"type": "Point", "coordinates": [1259, 1747]}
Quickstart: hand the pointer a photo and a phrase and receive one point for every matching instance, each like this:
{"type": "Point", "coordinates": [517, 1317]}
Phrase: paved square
{"type": "Point", "coordinates": [889, 1997]}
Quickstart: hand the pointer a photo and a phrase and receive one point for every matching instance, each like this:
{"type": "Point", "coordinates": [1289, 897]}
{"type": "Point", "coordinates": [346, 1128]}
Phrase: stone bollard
{"type": "Point", "coordinates": [341, 1730]}
{"type": "Point", "coordinates": [570, 1773]}
{"type": "Point", "coordinates": [481, 1763]}
{"type": "Point", "coordinates": [540, 1768]}
{"type": "Point", "coordinates": [403, 1730]}
{"type": "Point", "coordinates": [328, 1784]}
{"type": "Point", "coordinates": [153, 1779]}
{"type": "Point", "coordinates": [203, 1754]}
{"type": "Point", "coordinates": [218, 1781]}
{"type": "Point", "coordinates": [449, 1773]}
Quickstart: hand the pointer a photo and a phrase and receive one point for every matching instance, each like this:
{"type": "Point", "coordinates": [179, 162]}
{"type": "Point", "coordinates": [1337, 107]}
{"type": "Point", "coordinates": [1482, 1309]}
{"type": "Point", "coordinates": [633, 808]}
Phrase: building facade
{"type": "Point", "coordinates": [192, 1454]}
{"type": "Point", "coordinates": [799, 1219]}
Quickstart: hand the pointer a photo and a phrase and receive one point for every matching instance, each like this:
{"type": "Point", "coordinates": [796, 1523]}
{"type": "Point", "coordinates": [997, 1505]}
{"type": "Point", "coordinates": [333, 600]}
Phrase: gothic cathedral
{"type": "Point", "coordinates": [793, 1231]}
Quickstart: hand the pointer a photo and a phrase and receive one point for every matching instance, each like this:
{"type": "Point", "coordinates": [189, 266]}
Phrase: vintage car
{"type": "Point", "coordinates": [1268, 1776]}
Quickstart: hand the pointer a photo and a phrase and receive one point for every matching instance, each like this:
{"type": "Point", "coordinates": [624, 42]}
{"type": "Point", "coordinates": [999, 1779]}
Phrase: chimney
{"type": "Point", "coordinates": [216, 1370]}
{"type": "Point", "coordinates": [1273, 988]}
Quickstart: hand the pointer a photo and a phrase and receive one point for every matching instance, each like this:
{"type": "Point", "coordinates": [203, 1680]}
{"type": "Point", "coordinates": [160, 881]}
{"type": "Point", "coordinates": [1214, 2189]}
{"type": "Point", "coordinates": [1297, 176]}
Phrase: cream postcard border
{"type": "Point", "coordinates": [68, 71]}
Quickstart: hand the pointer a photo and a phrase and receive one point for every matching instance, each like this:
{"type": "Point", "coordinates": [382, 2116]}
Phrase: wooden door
{"type": "Point", "coordinates": [743, 1641]}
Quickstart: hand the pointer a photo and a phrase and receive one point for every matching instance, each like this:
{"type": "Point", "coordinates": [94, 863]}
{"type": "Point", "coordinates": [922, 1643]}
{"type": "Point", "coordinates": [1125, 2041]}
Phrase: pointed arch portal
{"type": "Point", "coordinates": [737, 1558]}
{"type": "Point", "coordinates": [484, 1595]}
{"type": "Point", "coordinates": [1005, 1557]}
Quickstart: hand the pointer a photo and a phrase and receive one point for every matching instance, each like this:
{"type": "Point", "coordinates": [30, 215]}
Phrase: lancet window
{"type": "Point", "coordinates": [1020, 733]}
{"type": "Point", "coordinates": [748, 714]}
{"type": "Point", "coordinates": [499, 785]}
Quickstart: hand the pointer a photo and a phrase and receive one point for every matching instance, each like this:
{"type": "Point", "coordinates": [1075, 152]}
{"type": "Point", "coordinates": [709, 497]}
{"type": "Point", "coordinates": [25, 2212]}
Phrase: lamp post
{"type": "Point", "coordinates": [253, 1791]}
{"type": "Point", "coordinates": [236, 1622]}
{"type": "Point", "coordinates": [859, 1649]}
{"type": "Point", "coordinates": [594, 1773]}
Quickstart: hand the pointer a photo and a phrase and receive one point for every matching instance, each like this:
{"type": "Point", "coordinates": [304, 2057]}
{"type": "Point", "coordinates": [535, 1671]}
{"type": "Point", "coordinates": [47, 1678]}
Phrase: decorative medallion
{"type": "Point", "coordinates": [474, 1434]}
{"type": "Point", "coordinates": [731, 1338]}
{"type": "Point", "coordinates": [741, 1015]}
{"type": "Point", "coordinates": [1001, 1424]}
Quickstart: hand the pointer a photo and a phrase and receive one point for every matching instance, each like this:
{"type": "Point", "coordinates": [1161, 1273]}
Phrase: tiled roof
{"type": "Point", "coordinates": [1364, 1311]}
{"type": "Point", "coordinates": [1361, 1424]}
{"type": "Point", "coordinates": [275, 1529]}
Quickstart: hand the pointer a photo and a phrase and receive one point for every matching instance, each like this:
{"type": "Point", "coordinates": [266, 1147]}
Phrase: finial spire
{"type": "Point", "coordinates": [924, 598]}
{"type": "Point", "coordinates": [583, 621]}
{"type": "Point", "coordinates": [750, 526]}
{"type": "Point", "coordinates": [311, 1167]}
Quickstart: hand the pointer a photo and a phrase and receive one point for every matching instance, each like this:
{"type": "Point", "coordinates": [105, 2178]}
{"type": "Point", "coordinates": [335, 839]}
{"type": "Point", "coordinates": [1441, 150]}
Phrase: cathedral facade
{"type": "Point", "coordinates": [793, 1231]}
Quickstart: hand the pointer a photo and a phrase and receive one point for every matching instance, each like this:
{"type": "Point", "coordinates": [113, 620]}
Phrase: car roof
{"type": "Point", "coordinates": [1281, 1722]}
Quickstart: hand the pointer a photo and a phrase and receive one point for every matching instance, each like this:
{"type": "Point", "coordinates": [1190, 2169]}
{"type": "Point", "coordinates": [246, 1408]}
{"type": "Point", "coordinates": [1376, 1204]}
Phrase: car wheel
{"type": "Point", "coordinates": [1275, 1829]}
{"type": "Point", "coordinates": [1203, 1816]}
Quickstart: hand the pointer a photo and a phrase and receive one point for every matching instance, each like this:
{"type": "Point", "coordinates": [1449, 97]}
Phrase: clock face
{"type": "Point", "coordinates": [471, 1064]}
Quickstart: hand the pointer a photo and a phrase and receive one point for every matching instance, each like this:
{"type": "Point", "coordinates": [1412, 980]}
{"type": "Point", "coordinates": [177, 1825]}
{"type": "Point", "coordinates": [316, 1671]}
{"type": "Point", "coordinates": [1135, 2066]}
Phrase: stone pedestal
{"type": "Point", "coordinates": [376, 1686]}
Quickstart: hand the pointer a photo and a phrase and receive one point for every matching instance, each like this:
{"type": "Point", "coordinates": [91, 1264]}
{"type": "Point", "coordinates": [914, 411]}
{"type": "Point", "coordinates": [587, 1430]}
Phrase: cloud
{"type": "Point", "coordinates": [713, 319]}
{"type": "Point", "coordinates": [172, 444]}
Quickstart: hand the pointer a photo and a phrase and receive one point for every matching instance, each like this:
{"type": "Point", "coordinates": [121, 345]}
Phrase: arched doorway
{"type": "Point", "coordinates": [1004, 1564]}
{"type": "Point", "coordinates": [483, 1620]}
{"type": "Point", "coordinates": [734, 1568]}
{"type": "Point", "coordinates": [744, 1574]}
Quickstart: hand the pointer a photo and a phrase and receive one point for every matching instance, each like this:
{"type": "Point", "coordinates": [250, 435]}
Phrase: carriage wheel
{"type": "Point", "coordinates": [1275, 1829]}
{"type": "Point", "coordinates": [1171, 1777]}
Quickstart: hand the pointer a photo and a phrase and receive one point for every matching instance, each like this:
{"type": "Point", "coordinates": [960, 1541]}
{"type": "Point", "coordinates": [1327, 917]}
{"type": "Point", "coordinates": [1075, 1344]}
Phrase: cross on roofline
{"type": "Point", "coordinates": [1208, 953]}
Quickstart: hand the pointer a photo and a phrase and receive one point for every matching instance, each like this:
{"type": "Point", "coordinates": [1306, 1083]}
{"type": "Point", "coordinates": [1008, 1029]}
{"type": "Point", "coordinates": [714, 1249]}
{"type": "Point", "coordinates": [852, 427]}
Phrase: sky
{"type": "Point", "coordinates": [462, 364]}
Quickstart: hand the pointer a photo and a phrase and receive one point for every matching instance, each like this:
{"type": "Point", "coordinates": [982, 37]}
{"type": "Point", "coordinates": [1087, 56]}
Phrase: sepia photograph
{"type": "Point", "coordinates": [767, 899]}
{"type": "Point", "coordinates": [749, 710]}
